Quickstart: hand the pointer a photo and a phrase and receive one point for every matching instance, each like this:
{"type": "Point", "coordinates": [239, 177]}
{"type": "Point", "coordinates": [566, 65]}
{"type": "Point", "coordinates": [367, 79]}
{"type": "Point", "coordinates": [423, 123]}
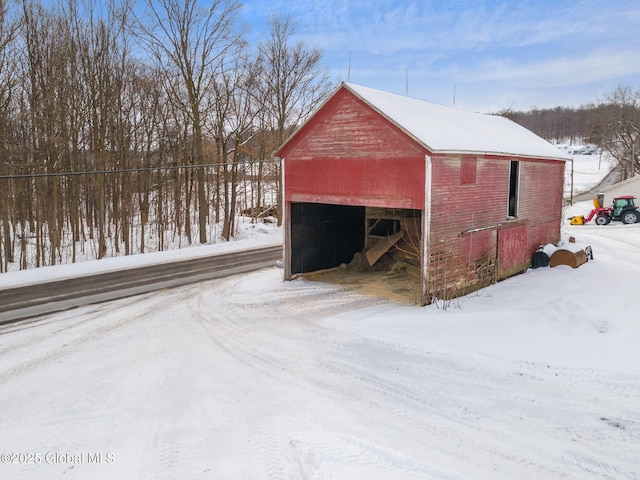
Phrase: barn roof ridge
{"type": "Point", "coordinates": [444, 129]}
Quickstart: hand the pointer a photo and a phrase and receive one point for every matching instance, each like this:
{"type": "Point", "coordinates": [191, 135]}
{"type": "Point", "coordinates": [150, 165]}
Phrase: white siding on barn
{"type": "Point", "coordinates": [630, 186]}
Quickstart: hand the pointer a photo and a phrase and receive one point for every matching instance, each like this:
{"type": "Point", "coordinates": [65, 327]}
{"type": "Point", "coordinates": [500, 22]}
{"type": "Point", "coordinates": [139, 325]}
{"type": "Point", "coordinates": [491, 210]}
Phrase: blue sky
{"type": "Point", "coordinates": [493, 54]}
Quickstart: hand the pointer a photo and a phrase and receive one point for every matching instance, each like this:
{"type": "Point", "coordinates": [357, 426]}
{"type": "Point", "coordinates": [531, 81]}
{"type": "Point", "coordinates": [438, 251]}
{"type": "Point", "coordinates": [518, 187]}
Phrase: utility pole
{"type": "Point", "coordinates": [571, 179]}
{"type": "Point", "coordinates": [406, 88]}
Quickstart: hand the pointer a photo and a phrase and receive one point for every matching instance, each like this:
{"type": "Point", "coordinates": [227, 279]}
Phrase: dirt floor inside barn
{"type": "Point", "coordinates": [393, 278]}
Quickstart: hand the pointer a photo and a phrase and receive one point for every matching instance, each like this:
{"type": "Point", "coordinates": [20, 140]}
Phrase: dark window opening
{"type": "Point", "coordinates": [513, 189]}
{"type": "Point", "coordinates": [382, 227]}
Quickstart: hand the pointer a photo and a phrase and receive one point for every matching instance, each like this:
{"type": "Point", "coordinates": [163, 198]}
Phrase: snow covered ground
{"type": "Point", "coordinates": [584, 171]}
{"type": "Point", "coordinates": [587, 172]}
{"type": "Point", "coordinates": [249, 377]}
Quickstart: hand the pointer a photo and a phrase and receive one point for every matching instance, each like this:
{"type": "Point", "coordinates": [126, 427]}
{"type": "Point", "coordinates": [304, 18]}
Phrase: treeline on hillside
{"type": "Point", "coordinates": [123, 121]}
{"type": "Point", "coordinates": [613, 125]}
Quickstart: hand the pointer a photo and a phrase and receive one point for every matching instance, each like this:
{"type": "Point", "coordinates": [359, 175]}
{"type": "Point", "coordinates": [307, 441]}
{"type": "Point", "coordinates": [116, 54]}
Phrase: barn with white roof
{"type": "Point", "coordinates": [467, 197]}
{"type": "Point", "coordinates": [630, 186]}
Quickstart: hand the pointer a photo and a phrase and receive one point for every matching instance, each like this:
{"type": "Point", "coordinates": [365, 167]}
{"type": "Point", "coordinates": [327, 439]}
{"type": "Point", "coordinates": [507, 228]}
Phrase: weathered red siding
{"type": "Point", "coordinates": [541, 189]}
{"type": "Point", "coordinates": [464, 220]}
{"type": "Point", "coordinates": [513, 254]}
{"type": "Point", "coordinates": [351, 155]}
{"type": "Point", "coordinates": [470, 231]}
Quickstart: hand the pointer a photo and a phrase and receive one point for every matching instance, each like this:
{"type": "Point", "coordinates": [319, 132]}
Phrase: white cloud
{"type": "Point", "coordinates": [561, 71]}
{"type": "Point", "coordinates": [505, 46]}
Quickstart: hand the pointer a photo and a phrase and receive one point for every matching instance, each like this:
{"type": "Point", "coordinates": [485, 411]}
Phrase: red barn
{"type": "Point", "coordinates": [474, 195]}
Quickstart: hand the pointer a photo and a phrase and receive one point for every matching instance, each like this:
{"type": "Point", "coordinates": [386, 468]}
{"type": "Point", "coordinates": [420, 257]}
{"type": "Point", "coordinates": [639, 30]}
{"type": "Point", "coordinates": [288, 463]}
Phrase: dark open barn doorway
{"type": "Point", "coordinates": [376, 250]}
{"type": "Point", "coordinates": [324, 236]}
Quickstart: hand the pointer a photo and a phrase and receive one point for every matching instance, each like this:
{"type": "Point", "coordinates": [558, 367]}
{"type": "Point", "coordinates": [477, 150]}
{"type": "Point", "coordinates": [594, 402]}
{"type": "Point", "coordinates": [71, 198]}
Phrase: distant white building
{"type": "Point", "coordinates": [630, 186]}
{"type": "Point", "coordinates": [588, 149]}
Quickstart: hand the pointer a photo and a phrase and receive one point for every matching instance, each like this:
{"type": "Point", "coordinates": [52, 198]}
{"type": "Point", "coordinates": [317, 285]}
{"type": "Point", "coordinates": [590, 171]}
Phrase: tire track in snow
{"type": "Point", "coordinates": [41, 329]}
{"type": "Point", "coordinates": [538, 384]}
{"type": "Point", "coordinates": [60, 342]}
{"type": "Point", "coordinates": [601, 244]}
{"type": "Point", "coordinates": [256, 341]}
{"type": "Point", "coordinates": [304, 398]}
{"type": "Point", "coordinates": [604, 470]}
{"type": "Point", "coordinates": [299, 370]}
{"type": "Point", "coordinates": [482, 420]}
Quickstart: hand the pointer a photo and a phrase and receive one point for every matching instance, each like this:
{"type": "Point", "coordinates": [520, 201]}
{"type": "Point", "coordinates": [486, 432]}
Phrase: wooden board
{"type": "Point", "coordinates": [382, 247]}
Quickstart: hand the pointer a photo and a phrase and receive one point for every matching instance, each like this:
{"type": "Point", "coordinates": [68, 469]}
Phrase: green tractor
{"type": "Point", "coordinates": [624, 210]}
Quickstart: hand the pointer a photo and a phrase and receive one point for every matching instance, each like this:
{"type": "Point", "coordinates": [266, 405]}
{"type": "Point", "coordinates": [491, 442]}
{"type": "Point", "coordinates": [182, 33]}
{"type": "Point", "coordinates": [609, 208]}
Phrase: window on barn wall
{"type": "Point", "coordinates": [468, 171]}
{"type": "Point", "coordinates": [514, 169]}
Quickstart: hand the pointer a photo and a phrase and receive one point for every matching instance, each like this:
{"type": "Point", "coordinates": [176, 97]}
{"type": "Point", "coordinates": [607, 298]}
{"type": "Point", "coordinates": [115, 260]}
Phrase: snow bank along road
{"type": "Point", "coordinates": [248, 377]}
{"type": "Point", "coordinates": [47, 297]}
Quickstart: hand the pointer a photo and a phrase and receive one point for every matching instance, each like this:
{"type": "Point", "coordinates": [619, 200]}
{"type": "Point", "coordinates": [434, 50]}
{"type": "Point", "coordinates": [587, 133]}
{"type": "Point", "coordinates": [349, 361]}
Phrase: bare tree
{"type": "Point", "coordinates": [9, 29]}
{"type": "Point", "coordinates": [9, 80]}
{"type": "Point", "coordinates": [101, 152]}
{"type": "Point", "coordinates": [104, 71]}
{"type": "Point", "coordinates": [232, 124]}
{"type": "Point", "coordinates": [293, 82]}
{"type": "Point", "coordinates": [620, 128]}
{"type": "Point", "coordinates": [46, 96]}
{"type": "Point", "coordinates": [192, 41]}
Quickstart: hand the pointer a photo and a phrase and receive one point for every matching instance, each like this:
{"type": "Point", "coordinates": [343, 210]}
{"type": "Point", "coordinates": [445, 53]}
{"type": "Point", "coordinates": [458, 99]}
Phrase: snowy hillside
{"type": "Point", "coordinates": [249, 377]}
{"type": "Point", "coordinates": [585, 170]}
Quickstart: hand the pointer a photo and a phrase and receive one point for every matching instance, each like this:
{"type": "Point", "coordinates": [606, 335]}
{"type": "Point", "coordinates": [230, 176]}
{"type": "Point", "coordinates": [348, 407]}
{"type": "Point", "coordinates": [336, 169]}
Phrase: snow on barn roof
{"type": "Point", "coordinates": [446, 129]}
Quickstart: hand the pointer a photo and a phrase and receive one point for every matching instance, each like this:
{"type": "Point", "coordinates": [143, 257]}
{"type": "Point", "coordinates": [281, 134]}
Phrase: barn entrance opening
{"type": "Point", "coordinates": [383, 224]}
{"type": "Point", "coordinates": [324, 235]}
{"type": "Point", "coordinates": [376, 250]}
